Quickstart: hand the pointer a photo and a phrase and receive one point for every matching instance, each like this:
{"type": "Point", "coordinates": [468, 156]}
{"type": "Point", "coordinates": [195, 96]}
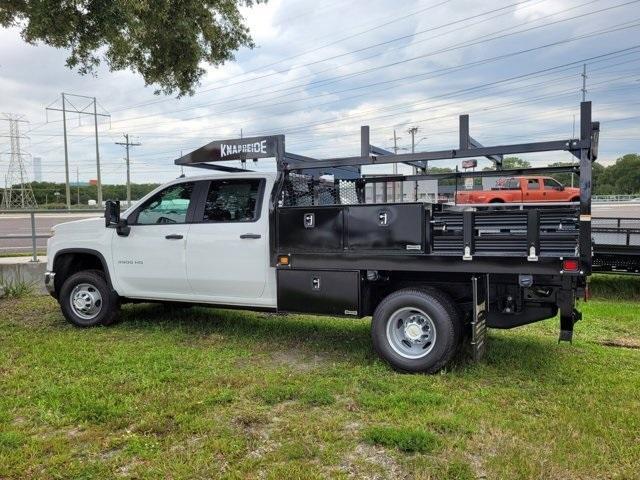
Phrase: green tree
{"type": "Point", "coordinates": [515, 162]}
{"type": "Point", "coordinates": [165, 41]}
{"type": "Point", "coordinates": [623, 177]}
{"type": "Point", "coordinates": [511, 162]}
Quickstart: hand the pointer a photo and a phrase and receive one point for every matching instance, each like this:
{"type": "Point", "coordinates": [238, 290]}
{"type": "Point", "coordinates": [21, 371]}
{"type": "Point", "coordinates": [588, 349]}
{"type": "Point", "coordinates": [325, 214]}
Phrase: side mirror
{"type": "Point", "coordinates": [560, 188]}
{"type": "Point", "coordinates": [112, 218]}
{"type": "Point", "coordinates": [111, 213]}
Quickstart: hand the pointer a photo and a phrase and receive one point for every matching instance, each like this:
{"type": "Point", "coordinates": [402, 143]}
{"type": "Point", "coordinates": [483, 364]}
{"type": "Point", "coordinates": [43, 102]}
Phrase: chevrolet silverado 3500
{"type": "Point", "coordinates": [306, 239]}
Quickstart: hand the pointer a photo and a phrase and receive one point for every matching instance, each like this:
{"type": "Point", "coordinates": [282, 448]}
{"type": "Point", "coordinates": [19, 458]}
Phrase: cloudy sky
{"type": "Point", "coordinates": [322, 69]}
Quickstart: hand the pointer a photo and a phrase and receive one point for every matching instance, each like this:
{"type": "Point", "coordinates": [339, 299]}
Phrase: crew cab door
{"type": "Point", "coordinates": [227, 253]}
{"type": "Point", "coordinates": [150, 261]}
{"type": "Point", "coordinates": [553, 190]}
{"type": "Point", "coordinates": [532, 190]}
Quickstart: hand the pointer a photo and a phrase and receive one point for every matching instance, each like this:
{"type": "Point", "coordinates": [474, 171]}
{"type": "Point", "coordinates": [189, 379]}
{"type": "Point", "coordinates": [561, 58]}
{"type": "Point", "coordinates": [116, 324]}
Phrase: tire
{"type": "Point", "coordinates": [101, 304]}
{"type": "Point", "coordinates": [417, 330]}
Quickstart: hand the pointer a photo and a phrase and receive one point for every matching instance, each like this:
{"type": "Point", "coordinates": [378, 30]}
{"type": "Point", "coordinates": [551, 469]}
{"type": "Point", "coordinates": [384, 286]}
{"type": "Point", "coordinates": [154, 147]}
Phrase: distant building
{"type": "Point", "coordinates": [37, 169]}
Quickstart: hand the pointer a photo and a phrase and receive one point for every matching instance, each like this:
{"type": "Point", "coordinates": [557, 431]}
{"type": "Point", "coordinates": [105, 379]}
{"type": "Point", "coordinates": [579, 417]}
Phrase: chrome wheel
{"type": "Point", "coordinates": [411, 333]}
{"type": "Point", "coordinates": [86, 301]}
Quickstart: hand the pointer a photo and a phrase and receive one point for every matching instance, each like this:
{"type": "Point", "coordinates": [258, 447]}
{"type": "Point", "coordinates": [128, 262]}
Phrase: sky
{"type": "Point", "coordinates": [320, 70]}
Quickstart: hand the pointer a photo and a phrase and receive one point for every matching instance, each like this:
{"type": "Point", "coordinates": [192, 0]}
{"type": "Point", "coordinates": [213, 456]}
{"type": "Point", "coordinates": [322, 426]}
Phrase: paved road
{"type": "Point", "coordinates": [20, 224]}
{"type": "Point", "coordinates": [616, 210]}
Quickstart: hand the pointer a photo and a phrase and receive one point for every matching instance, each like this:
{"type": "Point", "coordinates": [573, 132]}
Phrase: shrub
{"type": "Point", "coordinates": [405, 439]}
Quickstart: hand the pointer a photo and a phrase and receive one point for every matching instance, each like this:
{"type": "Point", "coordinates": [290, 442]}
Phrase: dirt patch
{"type": "Point", "coordinates": [297, 360]}
{"type": "Point", "coordinates": [371, 463]}
{"type": "Point", "coordinates": [621, 343]}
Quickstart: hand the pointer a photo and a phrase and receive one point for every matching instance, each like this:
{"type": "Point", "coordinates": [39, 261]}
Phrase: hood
{"type": "Point", "coordinates": [92, 224]}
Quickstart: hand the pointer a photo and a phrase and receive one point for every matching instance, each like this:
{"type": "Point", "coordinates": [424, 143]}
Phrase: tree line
{"type": "Point", "coordinates": [51, 194]}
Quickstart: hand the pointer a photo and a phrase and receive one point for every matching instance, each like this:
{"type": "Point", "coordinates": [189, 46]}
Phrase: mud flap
{"type": "Point", "coordinates": [569, 315]}
{"type": "Point", "coordinates": [479, 286]}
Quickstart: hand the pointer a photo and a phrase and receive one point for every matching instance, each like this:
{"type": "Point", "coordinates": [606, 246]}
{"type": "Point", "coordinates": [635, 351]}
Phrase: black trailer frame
{"type": "Point", "coordinates": [472, 260]}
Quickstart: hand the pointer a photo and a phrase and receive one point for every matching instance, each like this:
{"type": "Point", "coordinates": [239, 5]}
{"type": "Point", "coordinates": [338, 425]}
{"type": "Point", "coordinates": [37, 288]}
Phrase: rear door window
{"type": "Point", "coordinates": [233, 201]}
{"type": "Point", "coordinates": [533, 184]}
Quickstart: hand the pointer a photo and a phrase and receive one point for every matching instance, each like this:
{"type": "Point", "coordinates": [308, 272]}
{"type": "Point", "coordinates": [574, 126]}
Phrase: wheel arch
{"type": "Point", "coordinates": [71, 260]}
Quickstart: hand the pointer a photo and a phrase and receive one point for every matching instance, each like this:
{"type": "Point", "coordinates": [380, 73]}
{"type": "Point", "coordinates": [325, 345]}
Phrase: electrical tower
{"type": "Point", "coordinates": [82, 105]}
{"type": "Point", "coordinates": [17, 189]}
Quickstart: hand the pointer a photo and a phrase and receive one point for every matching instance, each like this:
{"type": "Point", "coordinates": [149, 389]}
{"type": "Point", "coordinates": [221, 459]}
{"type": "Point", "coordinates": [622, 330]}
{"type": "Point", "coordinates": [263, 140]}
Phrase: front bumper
{"type": "Point", "coordinates": [49, 282]}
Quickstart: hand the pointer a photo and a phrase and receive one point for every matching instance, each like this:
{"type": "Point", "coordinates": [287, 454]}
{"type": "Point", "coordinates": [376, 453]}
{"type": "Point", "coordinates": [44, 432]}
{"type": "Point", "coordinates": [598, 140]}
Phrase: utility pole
{"type": "Point", "coordinates": [395, 151]}
{"type": "Point", "coordinates": [78, 183]}
{"type": "Point", "coordinates": [412, 131]}
{"type": "Point", "coordinates": [98, 179]}
{"type": "Point", "coordinates": [67, 188]}
{"type": "Point", "coordinates": [81, 105]}
{"type": "Point", "coordinates": [584, 82]}
{"type": "Point", "coordinates": [395, 169]}
{"type": "Point", "coordinates": [128, 144]}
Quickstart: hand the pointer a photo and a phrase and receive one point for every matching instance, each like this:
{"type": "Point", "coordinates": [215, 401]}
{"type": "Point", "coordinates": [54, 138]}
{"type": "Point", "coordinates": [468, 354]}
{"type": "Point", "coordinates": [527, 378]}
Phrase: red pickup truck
{"type": "Point", "coordinates": [520, 190]}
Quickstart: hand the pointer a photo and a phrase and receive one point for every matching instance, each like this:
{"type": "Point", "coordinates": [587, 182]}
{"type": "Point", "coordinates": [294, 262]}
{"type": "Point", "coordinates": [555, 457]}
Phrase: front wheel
{"type": "Point", "coordinates": [416, 330]}
{"type": "Point", "coordinates": [86, 299]}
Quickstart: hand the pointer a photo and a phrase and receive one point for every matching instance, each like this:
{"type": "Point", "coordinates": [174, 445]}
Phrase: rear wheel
{"type": "Point", "coordinates": [87, 300]}
{"type": "Point", "coordinates": [416, 330]}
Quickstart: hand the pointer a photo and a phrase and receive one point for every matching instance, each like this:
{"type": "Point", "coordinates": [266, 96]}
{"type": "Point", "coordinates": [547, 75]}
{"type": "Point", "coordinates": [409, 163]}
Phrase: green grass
{"type": "Point", "coordinates": [615, 287]}
{"type": "Point", "coordinates": [16, 287]}
{"type": "Point", "coordinates": [206, 393]}
{"type": "Point", "coordinates": [22, 254]}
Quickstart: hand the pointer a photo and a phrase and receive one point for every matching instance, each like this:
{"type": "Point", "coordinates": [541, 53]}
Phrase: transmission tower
{"type": "Point", "coordinates": [17, 190]}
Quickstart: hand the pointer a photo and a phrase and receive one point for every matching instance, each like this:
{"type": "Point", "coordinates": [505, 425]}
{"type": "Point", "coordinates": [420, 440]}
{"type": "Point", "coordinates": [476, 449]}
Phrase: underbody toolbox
{"type": "Point", "coordinates": [319, 291]}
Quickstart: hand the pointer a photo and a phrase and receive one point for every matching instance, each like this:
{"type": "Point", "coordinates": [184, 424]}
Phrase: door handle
{"type": "Point", "coordinates": [173, 236]}
{"type": "Point", "coordinates": [250, 235]}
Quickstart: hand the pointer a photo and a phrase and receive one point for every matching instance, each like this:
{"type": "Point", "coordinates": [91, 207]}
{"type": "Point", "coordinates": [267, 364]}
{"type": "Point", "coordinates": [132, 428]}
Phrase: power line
{"type": "Point", "coordinates": [432, 74]}
{"type": "Point", "coordinates": [477, 40]}
{"type": "Point", "coordinates": [315, 49]}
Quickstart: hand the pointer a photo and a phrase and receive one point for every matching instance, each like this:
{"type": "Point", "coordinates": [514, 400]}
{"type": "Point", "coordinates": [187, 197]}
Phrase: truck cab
{"type": "Point", "coordinates": [202, 239]}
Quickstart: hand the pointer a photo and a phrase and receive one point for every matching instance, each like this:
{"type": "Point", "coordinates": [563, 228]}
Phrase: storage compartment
{"type": "Point", "coordinates": [310, 229]}
{"type": "Point", "coordinates": [386, 227]}
{"type": "Point", "coordinates": [319, 291]}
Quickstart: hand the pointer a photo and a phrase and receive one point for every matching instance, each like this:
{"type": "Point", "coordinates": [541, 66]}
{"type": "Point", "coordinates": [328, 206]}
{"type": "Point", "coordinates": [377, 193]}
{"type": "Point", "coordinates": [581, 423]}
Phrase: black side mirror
{"type": "Point", "coordinates": [112, 218]}
{"type": "Point", "coordinates": [111, 213]}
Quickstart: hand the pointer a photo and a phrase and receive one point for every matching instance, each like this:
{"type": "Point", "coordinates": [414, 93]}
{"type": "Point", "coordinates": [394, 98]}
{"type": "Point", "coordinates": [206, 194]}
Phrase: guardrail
{"type": "Point", "coordinates": [615, 198]}
{"type": "Point", "coordinates": [32, 215]}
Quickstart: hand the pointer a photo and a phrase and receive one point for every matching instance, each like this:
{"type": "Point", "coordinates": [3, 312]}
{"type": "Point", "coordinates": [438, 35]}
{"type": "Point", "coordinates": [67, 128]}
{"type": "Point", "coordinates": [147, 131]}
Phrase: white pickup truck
{"type": "Point", "coordinates": [210, 249]}
{"type": "Point", "coordinates": [297, 241]}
